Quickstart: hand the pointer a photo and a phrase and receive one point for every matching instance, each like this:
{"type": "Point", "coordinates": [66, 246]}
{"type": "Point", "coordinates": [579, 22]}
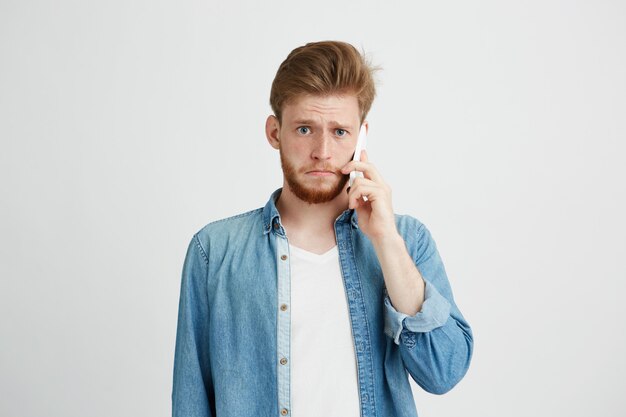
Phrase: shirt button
{"type": "Point", "coordinates": [284, 411]}
{"type": "Point", "coordinates": [283, 361]}
{"type": "Point", "coordinates": [283, 307]}
{"type": "Point", "coordinates": [283, 257]}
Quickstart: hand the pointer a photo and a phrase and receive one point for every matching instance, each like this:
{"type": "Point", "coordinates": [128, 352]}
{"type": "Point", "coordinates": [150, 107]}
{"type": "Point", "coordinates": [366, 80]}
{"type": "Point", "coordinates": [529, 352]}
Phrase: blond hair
{"type": "Point", "coordinates": [323, 68]}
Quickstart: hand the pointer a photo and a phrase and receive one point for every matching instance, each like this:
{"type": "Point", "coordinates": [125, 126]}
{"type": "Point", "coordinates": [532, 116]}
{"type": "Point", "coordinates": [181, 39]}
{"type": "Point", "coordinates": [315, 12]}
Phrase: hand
{"type": "Point", "coordinates": [376, 218]}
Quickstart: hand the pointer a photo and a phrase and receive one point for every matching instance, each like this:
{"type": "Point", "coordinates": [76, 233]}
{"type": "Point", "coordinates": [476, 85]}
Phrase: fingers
{"type": "Point", "coordinates": [367, 168]}
{"type": "Point", "coordinates": [364, 188]}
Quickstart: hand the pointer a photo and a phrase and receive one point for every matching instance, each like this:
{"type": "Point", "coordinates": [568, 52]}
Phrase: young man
{"type": "Point", "coordinates": [321, 302]}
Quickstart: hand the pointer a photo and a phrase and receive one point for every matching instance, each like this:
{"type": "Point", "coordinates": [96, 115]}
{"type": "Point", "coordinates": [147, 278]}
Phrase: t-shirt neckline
{"type": "Point", "coordinates": [302, 253]}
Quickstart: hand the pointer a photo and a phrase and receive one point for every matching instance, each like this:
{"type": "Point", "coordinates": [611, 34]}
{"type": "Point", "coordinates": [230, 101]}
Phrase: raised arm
{"type": "Point", "coordinates": [435, 343]}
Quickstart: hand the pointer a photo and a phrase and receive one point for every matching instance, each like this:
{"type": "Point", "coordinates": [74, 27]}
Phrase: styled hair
{"type": "Point", "coordinates": [324, 68]}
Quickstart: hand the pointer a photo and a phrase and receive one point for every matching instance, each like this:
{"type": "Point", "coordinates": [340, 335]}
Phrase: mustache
{"type": "Point", "coordinates": [324, 168]}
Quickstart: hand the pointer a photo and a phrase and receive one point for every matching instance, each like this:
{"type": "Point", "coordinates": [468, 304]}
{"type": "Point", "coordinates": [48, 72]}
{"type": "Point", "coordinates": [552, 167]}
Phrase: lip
{"type": "Point", "coordinates": [321, 173]}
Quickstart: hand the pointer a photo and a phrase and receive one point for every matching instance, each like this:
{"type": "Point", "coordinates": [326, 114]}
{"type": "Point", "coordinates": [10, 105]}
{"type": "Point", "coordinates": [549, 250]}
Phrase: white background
{"type": "Point", "coordinates": [126, 126]}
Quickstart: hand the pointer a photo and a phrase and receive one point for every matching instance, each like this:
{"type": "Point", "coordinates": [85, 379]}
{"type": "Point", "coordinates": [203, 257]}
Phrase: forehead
{"type": "Point", "coordinates": [339, 107]}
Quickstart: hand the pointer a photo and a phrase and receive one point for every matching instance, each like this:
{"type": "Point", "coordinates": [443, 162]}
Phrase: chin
{"type": "Point", "coordinates": [316, 194]}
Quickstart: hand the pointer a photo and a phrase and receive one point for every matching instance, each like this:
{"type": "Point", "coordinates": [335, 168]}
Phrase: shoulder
{"type": "Point", "coordinates": [408, 225]}
{"type": "Point", "coordinates": [415, 234]}
{"type": "Point", "coordinates": [228, 223]}
{"type": "Point", "coordinates": [231, 228]}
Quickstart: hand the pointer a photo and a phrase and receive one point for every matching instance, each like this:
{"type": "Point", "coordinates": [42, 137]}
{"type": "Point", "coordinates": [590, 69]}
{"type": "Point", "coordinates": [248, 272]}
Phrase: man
{"type": "Point", "coordinates": [321, 302]}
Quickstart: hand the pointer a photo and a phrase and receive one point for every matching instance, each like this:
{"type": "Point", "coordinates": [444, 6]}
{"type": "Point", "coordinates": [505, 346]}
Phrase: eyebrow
{"type": "Point", "coordinates": [312, 122]}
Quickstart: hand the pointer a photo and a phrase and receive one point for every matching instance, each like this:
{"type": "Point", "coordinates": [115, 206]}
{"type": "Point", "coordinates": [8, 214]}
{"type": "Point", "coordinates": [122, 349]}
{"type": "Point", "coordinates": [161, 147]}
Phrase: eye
{"type": "Point", "coordinates": [303, 130]}
{"type": "Point", "coordinates": [341, 132]}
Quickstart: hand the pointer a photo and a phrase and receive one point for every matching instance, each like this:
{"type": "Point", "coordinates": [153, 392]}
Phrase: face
{"type": "Point", "coordinates": [316, 138]}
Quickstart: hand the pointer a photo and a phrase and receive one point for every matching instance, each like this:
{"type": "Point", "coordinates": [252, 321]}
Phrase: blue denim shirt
{"type": "Point", "coordinates": [232, 342]}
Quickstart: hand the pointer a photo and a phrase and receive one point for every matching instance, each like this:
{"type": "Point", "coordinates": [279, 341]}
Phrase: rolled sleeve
{"type": "Point", "coordinates": [434, 313]}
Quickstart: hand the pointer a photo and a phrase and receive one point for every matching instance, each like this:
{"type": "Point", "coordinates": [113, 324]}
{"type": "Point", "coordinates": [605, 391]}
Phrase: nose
{"type": "Point", "coordinates": [322, 148]}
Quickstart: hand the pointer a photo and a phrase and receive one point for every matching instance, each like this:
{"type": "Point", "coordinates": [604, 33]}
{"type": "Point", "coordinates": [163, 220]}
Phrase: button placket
{"type": "Point", "coordinates": [283, 324]}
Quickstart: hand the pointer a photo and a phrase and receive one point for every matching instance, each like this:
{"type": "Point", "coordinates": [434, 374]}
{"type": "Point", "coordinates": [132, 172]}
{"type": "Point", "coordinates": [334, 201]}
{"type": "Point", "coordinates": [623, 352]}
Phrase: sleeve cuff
{"type": "Point", "coordinates": [434, 313]}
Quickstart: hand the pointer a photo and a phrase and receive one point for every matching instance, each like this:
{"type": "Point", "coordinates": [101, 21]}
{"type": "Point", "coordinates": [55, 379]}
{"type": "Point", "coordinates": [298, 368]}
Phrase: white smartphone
{"type": "Point", "coordinates": [361, 143]}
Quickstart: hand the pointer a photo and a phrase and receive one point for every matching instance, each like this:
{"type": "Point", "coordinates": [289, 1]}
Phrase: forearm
{"type": "Point", "coordinates": [403, 280]}
{"type": "Point", "coordinates": [436, 344]}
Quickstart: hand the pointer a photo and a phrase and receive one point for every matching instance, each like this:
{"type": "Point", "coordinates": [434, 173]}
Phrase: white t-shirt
{"type": "Point", "coordinates": [323, 361]}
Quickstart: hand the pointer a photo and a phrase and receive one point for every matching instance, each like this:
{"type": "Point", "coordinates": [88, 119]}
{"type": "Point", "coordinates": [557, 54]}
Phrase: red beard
{"type": "Point", "coordinates": [320, 194]}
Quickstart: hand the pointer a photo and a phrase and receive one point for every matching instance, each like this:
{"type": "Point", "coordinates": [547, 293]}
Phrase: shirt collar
{"type": "Point", "coordinates": [271, 216]}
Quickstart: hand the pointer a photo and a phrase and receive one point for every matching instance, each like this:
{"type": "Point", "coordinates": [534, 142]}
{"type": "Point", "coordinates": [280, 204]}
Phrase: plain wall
{"type": "Point", "coordinates": [126, 126]}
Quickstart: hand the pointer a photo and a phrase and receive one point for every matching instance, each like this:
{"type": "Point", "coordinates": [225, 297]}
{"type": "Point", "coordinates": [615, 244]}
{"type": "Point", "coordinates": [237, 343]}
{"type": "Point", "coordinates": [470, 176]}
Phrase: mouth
{"type": "Point", "coordinates": [321, 173]}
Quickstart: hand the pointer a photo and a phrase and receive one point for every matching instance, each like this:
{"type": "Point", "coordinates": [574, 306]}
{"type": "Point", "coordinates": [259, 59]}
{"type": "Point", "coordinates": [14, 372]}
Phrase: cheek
{"type": "Point", "coordinates": [348, 152]}
{"type": "Point", "coordinates": [296, 149]}
{"type": "Point", "coordinates": [293, 154]}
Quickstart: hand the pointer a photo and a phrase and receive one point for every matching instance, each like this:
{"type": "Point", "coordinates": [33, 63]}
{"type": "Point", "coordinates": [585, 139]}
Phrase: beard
{"type": "Point", "coordinates": [322, 193]}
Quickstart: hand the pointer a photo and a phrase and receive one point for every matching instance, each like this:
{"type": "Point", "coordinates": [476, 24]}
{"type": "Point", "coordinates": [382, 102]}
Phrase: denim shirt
{"type": "Point", "coordinates": [232, 353]}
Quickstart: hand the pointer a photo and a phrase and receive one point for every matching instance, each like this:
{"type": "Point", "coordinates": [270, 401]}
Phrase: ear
{"type": "Point", "coordinates": [272, 131]}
